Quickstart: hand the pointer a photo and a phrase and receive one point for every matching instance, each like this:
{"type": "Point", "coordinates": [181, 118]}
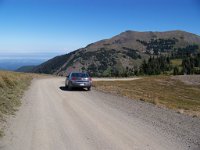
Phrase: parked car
{"type": "Point", "coordinates": [79, 80]}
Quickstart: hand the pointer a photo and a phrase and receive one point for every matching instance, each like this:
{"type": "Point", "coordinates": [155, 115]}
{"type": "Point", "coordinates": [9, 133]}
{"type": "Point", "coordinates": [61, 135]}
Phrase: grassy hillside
{"type": "Point", "coordinates": [121, 53]}
{"type": "Point", "coordinates": [12, 86]}
{"type": "Point", "coordinates": [161, 90]}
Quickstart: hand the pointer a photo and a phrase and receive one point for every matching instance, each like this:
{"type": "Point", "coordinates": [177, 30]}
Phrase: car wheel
{"type": "Point", "coordinates": [66, 86]}
{"type": "Point", "coordinates": [69, 86]}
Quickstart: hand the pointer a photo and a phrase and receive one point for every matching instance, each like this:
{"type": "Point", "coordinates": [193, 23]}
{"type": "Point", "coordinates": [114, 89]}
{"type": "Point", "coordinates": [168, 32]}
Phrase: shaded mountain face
{"type": "Point", "coordinates": [119, 53]}
{"type": "Point", "coordinates": [25, 69]}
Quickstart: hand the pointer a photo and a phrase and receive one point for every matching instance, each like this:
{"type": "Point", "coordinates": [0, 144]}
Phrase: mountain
{"type": "Point", "coordinates": [119, 53]}
{"type": "Point", "coordinates": [25, 69]}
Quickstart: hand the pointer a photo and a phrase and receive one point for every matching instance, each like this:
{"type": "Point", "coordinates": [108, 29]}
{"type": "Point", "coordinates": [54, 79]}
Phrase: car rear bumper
{"type": "Point", "coordinates": [81, 84]}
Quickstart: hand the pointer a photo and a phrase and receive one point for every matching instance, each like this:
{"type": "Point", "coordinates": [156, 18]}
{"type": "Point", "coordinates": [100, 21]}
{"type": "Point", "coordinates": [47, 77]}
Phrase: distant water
{"type": "Point", "coordinates": [12, 61]}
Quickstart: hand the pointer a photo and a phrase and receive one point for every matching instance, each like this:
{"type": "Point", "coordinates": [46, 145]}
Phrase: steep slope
{"type": "Point", "coordinates": [123, 52]}
{"type": "Point", "coordinates": [25, 69]}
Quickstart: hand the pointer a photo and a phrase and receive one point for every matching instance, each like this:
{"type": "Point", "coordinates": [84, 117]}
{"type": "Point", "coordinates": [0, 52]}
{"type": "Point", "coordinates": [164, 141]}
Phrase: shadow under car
{"type": "Point", "coordinates": [63, 88]}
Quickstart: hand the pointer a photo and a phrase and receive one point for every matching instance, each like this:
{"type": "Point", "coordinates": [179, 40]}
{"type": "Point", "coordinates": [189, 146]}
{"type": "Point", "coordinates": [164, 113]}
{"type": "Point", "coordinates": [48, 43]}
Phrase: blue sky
{"type": "Point", "coordinates": [60, 26]}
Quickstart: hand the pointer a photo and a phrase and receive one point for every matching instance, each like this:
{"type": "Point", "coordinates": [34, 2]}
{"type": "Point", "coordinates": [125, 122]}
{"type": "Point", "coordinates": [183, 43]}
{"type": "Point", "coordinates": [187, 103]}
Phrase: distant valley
{"type": "Point", "coordinates": [13, 61]}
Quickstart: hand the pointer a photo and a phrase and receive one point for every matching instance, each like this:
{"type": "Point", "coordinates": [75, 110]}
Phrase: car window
{"type": "Point", "coordinates": [80, 75]}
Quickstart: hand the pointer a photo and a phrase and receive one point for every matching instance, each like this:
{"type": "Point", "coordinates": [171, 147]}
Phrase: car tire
{"type": "Point", "coordinates": [66, 86]}
{"type": "Point", "coordinates": [69, 87]}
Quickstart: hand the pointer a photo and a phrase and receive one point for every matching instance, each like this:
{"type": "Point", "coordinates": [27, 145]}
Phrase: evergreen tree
{"type": "Point", "coordinates": [155, 66]}
{"type": "Point", "coordinates": [176, 71]}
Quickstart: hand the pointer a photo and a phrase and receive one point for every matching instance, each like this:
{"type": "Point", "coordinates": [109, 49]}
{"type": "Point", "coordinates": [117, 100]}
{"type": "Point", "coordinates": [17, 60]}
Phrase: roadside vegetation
{"type": "Point", "coordinates": [163, 91]}
{"type": "Point", "coordinates": [12, 86]}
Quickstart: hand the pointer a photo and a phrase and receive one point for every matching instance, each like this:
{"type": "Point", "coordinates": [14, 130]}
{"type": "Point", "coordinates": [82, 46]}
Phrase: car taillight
{"type": "Point", "coordinates": [73, 78]}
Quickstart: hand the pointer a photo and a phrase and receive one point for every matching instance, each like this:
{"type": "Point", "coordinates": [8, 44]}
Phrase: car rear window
{"type": "Point", "coordinates": [81, 75]}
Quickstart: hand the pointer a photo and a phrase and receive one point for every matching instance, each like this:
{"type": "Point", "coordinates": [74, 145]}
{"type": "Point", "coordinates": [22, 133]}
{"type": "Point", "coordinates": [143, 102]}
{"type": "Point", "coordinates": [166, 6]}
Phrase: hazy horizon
{"type": "Point", "coordinates": [13, 61]}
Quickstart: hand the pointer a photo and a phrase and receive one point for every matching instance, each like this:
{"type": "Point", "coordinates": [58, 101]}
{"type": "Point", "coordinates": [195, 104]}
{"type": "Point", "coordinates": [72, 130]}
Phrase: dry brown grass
{"type": "Point", "coordinates": [12, 86]}
{"type": "Point", "coordinates": [159, 90]}
{"type": "Point", "coordinates": [176, 62]}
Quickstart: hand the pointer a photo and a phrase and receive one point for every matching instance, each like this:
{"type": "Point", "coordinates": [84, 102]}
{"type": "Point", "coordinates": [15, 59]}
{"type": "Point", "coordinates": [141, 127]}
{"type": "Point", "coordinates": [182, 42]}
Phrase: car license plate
{"type": "Point", "coordinates": [82, 84]}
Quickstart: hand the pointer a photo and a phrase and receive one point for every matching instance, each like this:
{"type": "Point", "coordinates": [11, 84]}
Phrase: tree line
{"type": "Point", "coordinates": [155, 65]}
{"type": "Point", "coordinates": [162, 65]}
{"type": "Point", "coordinates": [191, 65]}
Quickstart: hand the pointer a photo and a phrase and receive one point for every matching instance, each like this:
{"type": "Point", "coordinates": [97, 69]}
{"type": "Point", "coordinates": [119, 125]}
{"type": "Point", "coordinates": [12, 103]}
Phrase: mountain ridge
{"type": "Point", "coordinates": [125, 50]}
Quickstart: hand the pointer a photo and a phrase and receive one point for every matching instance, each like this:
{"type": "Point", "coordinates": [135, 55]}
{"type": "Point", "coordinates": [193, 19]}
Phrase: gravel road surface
{"type": "Point", "coordinates": [52, 118]}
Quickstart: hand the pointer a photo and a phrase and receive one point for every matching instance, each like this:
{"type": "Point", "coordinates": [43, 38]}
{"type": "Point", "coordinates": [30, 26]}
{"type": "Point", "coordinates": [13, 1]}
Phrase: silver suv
{"type": "Point", "coordinates": [78, 79]}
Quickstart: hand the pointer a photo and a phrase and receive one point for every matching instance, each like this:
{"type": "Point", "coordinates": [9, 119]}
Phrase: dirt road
{"type": "Point", "coordinates": [52, 118]}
